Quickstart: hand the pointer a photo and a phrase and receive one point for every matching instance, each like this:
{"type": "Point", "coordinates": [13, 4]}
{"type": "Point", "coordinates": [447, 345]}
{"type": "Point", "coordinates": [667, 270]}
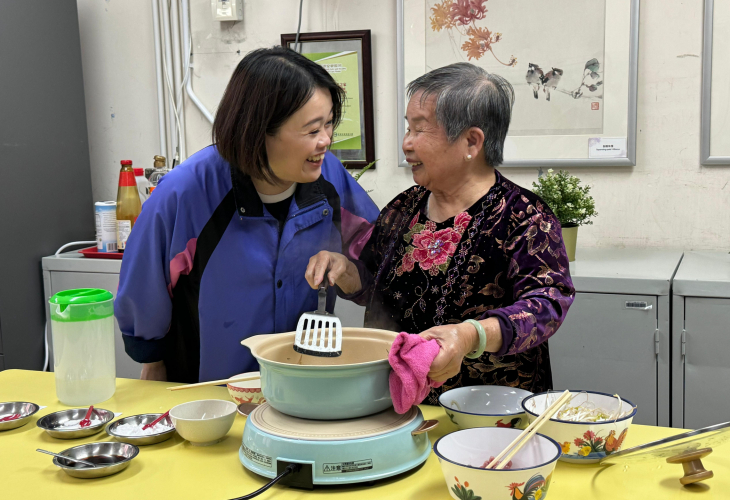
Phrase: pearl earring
{"type": "Point", "coordinates": [468, 157]}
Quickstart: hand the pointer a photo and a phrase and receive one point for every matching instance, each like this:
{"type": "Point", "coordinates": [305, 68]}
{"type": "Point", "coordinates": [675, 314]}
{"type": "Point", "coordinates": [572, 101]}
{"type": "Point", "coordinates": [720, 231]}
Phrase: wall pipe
{"type": "Point", "coordinates": [162, 124]}
{"type": "Point", "coordinates": [178, 72]}
{"type": "Point", "coordinates": [168, 66]}
{"type": "Point", "coordinates": [187, 64]}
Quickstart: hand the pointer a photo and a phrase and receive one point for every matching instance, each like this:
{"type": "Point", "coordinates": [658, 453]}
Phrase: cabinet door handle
{"type": "Point", "coordinates": [641, 306]}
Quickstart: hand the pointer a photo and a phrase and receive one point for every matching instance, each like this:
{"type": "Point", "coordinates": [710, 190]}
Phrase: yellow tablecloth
{"type": "Point", "coordinates": [174, 469]}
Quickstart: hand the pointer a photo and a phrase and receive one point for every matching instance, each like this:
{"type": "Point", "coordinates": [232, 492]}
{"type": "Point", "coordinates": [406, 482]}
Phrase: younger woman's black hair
{"type": "Point", "coordinates": [267, 87]}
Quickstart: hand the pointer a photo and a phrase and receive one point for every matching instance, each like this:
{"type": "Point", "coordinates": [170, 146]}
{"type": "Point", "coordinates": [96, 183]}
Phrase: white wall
{"type": "Point", "coordinates": [667, 200]}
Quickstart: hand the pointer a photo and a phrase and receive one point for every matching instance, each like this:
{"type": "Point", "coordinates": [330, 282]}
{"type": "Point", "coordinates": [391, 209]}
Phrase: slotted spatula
{"type": "Point", "coordinates": [319, 333]}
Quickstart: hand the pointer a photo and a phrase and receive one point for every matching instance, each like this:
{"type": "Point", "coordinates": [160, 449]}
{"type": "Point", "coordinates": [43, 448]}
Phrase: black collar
{"type": "Point", "coordinates": [248, 203]}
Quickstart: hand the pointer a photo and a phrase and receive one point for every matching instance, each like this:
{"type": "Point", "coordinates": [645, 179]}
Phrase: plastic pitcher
{"type": "Point", "coordinates": [82, 322]}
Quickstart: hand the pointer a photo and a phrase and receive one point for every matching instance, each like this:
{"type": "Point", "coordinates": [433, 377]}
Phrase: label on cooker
{"type": "Point", "coordinates": [343, 467]}
{"type": "Point", "coordinates": [259, 458]}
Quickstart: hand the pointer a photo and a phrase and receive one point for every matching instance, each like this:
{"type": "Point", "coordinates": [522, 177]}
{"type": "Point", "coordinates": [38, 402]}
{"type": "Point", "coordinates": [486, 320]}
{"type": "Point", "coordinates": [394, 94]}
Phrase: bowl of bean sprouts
{"type": "Point", "coordinates": [588, 427]}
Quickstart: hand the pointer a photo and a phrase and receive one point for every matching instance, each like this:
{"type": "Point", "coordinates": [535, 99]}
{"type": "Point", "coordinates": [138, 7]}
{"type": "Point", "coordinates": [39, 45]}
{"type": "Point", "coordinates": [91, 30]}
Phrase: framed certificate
{"type": "Point", "coordinates": [715, 122]}
{"type": "Point", "coordinates": [572, 65]}
{"type": "Point", "coordinates": [346, 56]}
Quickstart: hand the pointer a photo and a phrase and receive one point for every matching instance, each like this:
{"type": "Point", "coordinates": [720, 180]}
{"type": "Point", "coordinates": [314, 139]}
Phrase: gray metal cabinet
{"type": "Point", "coordinates": [71, 270]}
{"type": "Point", "coordinates": [616, 336]}
{"type": "Point", "coordinates": [701, 341]}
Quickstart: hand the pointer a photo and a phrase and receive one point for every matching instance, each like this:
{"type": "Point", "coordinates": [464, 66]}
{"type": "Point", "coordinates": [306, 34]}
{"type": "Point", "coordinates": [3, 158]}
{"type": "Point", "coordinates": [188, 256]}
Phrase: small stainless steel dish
{"type": "Point", "coordinates": [110, 456]}
{"type": "Point", "coordinates": [141, 420]}
{"type": "Point", "coordinates": [25, 410]}
{"type": "Point", "coordinates": [53, 423]}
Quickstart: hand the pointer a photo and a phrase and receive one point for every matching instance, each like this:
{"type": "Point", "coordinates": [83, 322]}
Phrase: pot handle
{"type": "Point", "coordinates": [255, 341]}
{"type": "Point", "coordinates": [425, 426]}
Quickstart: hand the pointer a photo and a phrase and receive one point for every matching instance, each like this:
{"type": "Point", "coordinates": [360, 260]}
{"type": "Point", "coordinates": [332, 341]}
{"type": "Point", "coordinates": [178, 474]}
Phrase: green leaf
{"type": "Point", "coordinates": [570, 202]}
{"type": "Point", "coordinates": [365, 169]}
{"type": "Point", "coordinates": [593, 65]}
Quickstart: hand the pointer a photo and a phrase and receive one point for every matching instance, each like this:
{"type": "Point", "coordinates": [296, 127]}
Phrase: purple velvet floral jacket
{"type": "Point", "coordinates": [504, 257]}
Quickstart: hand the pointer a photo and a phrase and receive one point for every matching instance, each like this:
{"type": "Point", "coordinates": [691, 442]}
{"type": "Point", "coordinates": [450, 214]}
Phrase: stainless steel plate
{"type": "Point", "coordinates": [24, 409]}
{"type": "Point", "coordinates": [53, 422]}
{"type": "Point", "coordinates": [140, 420]}
{"type": "Point", "coordinates": [116, 455]}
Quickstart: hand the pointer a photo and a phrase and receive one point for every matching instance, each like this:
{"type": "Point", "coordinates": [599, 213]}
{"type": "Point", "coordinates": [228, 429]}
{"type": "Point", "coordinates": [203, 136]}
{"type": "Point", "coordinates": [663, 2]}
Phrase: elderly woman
{"type": "Point", "coordinates": [466, 257]}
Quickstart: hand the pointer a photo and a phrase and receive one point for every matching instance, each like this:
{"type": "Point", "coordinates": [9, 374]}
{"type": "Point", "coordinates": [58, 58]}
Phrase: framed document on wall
{"type": "Point", "coordinates": [715, 122]}
{"type": "Point", "coordinates": [572, 65]}
{"type": "Point", "coordinates": [346, 56]}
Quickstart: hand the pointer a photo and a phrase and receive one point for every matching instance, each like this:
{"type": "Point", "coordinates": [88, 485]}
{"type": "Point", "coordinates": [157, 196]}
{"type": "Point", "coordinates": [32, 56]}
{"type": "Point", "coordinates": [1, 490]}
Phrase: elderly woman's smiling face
{"type": "Point", "coordinates": [435, 161]}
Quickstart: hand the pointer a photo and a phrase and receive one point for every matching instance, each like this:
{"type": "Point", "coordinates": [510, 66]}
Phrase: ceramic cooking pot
{"type": "Point", "coordinates": [352, 385]}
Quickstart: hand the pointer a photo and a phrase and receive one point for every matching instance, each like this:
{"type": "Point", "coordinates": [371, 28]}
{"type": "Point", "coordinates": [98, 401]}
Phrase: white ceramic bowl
{"type": "Point", "coordinates": [203, 422]}
{"type": "Point", "coordinates": [485, 406]}
{"type": "Point", "coordinates": [246, 392]}
{"type": "Point", "coordinates": [583, 442]}
{"type": "Point", "coordinates": [462, 453]}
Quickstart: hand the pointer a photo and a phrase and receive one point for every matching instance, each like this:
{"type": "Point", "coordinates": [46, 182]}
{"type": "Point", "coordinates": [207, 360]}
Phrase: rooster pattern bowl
{"type": "Point", "coordinates": [584, 442]}
{"type": "Point", "coordinates": [464, 454]}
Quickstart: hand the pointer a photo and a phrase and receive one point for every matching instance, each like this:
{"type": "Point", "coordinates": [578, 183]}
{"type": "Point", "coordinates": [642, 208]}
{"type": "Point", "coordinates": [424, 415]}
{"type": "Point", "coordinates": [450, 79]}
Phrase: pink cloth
{"type": "Point", "coordinates": [411, 357]}
{"type": "Point", "coordinates": [182, 263]}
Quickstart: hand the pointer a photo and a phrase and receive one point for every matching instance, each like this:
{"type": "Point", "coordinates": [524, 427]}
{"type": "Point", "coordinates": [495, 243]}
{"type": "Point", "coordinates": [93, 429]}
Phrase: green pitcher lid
{"type": "Point", "coordinates": [81, 296]}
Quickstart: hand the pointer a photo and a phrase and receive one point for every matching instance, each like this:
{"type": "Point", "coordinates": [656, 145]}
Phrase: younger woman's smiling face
{"type": "Point", "coordinates": [296, 151]}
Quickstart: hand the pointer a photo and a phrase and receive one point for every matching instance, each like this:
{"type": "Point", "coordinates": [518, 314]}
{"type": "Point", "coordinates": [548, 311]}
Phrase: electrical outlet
{"type": "Point", "coordinates": [227, 10]}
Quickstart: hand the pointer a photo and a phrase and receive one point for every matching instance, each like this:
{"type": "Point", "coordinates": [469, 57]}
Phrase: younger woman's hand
{"type": "Point", "coordinates": [339, 269]}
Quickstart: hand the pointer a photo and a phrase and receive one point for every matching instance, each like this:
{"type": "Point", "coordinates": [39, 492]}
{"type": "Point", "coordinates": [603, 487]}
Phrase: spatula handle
{"type": "Point", "coordinates": [322, 295]}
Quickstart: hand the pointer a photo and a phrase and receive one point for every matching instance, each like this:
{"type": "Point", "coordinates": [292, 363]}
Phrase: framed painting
{"type": "Point", "coordinates": [346, 55]}
{"type": "Point", "coordinates": [573, 66]}
{"type": "Point", "coordinates": [715, 120]}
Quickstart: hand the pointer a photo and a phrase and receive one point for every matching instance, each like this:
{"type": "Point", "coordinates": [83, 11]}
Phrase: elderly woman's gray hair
{"type": "Point", "coordinates": [467, 96]}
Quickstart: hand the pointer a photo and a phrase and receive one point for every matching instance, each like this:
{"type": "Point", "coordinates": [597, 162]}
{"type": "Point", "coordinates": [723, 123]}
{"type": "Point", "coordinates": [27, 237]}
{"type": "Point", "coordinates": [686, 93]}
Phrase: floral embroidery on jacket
{"type": "Point", "coordinates": [432, 249]}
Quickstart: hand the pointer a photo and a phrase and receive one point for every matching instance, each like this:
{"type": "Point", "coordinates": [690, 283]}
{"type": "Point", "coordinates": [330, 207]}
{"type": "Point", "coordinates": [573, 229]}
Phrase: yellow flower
{"type": "Point", "coordinates": [566, 447]}
{"type": "Point", "coordinates": [585, 451]}
{"type": "Point", "coordinates": [441, 18]}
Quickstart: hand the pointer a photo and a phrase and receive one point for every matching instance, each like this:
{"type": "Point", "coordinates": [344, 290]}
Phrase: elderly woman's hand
{"type": "Point", "coordinates": [339, 269]}
{"type": "Point", "coordinates": [456, 341]}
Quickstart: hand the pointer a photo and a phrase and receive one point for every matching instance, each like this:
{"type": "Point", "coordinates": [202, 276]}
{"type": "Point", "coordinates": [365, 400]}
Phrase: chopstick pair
{"type": "Point", "coordinates": [527, 434]}
{"type": "Point", "coordinates": [215, 382]}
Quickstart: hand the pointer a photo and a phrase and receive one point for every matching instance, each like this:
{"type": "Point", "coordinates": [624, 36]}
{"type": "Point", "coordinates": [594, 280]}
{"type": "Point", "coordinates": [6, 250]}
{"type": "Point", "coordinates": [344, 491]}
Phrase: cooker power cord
{"type": "Point", "coordinates": [291, 468]}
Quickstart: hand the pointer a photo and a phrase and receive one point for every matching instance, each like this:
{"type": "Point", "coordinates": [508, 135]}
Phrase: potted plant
{"type": "Point", "coordinates": [570, 202]}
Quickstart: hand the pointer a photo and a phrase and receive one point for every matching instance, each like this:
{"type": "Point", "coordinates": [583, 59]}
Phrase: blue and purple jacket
{"type": "Point", "coordinates": [205, 266]}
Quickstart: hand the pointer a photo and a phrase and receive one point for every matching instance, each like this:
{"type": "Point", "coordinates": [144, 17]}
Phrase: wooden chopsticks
{"type": "Point", "coordinates": [214, 382]}
{"type": "Point", "coordinates": [527, 434]}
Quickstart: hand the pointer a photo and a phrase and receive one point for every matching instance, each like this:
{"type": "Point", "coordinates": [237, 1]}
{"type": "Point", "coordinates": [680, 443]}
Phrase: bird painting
{"type": "Point", "coordinates": [613, 444]}
{"type": "Point", "coordinates": [535, 488]}
{"type": "Point", "coordinates": [510, 425]}
{"type": "Point", "coordinates": [534, 78]}
{"type": "Point", "coordinates": [550, 81]}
